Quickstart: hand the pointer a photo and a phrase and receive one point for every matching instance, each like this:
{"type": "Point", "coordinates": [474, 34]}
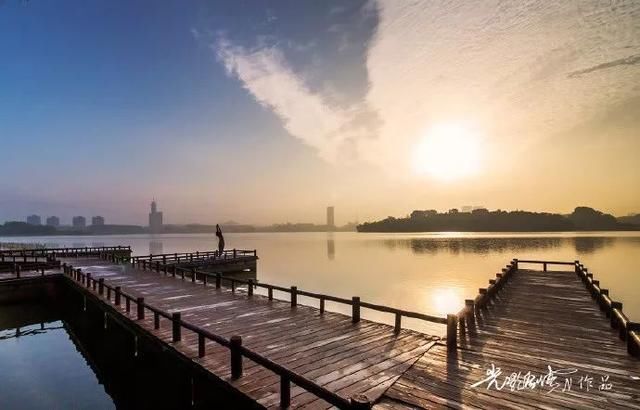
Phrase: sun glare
{"type": "Point", "coordinates": [448, 152]}
{"type": "Point", "coordinates": [447, 300]}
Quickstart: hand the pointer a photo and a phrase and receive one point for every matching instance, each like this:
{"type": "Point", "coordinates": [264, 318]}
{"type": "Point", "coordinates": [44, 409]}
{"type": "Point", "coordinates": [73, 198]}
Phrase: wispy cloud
{"type": "Point", "coordinates": [305, 114]}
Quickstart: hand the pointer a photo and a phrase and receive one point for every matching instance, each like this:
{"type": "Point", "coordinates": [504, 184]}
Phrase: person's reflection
{"type": "Point", "coordinates": [155, 247]}
{"type": "Point", "coordinates": [331, 246]}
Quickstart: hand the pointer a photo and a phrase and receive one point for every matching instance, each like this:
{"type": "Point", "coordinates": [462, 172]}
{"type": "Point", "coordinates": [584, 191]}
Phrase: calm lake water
{"type": "Point", "coordinates": [430, 272]}
{"type": "Point", "coordinates": [43, 369]}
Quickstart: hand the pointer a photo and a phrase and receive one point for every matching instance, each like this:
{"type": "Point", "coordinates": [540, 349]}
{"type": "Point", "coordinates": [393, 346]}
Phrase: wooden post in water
{"type": "Point", "coordinates": [294, 296]}
{"type": "Point", "coordinates": [101, 286]}
{"type": "Point", "coordinates": [117, 297]}
{"type": "Point", "coordinates": [218, 280]}
{"type": "Point", "coordinates": [193, 274]}
{"type": "Point", "coordinates": [398, 323]}
{"type": "Point", "coordinates": [355, 309]}
{"type": "Point", "coordinates": [236, 357]}
{"type": "Point", "coordinates": [250, 287]}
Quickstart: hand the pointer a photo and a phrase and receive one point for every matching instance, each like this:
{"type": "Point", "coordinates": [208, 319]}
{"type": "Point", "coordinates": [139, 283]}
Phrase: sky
{"type": "Point", "coordinates": [267, 112]}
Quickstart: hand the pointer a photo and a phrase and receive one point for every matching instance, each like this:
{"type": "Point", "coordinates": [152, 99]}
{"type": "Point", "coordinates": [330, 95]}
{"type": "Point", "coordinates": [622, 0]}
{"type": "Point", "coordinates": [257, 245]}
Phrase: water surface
{"type": "Point", "coordinates": [430, 272]}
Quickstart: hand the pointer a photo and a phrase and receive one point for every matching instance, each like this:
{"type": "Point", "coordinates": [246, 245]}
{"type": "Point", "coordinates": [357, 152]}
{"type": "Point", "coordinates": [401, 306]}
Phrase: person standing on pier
{"type": "Point", "coordinates": [220, 240]}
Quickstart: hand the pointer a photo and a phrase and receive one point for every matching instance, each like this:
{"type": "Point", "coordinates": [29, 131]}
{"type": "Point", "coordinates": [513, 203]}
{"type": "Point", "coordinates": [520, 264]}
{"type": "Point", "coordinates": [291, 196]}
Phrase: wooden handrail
{"type": "Point", "coordinates": [193, 256]}
{"type": "Point", "coordinates": [43, 251]}
{"type": "Point", "coordinates": [547, 262]}
{"type": "Point", "coordinates": [234, 281]}
{"type": "Point", "coordinates": [286, 376]}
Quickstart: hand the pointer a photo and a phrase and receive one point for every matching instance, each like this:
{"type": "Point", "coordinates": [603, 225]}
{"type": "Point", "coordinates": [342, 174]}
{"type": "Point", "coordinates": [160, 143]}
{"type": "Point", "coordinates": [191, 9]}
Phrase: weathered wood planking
{"type": "Point", "coordinates": [539, 319]}
{"type": "Point", "coordinates": [329, 349]}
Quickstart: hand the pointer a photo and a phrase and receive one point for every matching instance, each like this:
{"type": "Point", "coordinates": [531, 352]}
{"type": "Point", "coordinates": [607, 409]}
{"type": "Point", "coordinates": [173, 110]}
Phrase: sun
{"type": "Point", "coordinates": [448, 152]}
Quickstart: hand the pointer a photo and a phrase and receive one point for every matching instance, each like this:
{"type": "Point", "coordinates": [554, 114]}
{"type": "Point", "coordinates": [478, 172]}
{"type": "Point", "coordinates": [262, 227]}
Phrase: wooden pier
{"type": "Point", "coordinates": [526, 321]}
{"type": "Point", "coordinates": [276, 352]}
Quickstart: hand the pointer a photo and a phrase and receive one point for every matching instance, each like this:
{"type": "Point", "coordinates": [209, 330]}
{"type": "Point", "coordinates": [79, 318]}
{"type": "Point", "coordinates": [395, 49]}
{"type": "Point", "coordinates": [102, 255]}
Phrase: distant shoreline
{"type": "Point", "coordinates": [483, 220]}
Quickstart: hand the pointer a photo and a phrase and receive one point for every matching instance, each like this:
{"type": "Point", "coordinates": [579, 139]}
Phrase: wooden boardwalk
{"type": "Point", "coordinates": [531, 339]}
{"type": "Point", "coordinates": [538, 319]}
{"type": "Point", "coordinates": [329, 349]}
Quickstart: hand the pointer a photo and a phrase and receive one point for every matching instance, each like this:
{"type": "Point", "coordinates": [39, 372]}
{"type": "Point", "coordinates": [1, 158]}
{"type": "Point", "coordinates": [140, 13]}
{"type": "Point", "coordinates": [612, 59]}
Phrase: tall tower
{"type": "Point", "coordinates": [155, 218]}
{"type": "Point", "coordinates": [331, 224]}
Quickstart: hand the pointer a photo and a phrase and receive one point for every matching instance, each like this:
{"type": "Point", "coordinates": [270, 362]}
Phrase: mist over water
{"type": "Point", "coordinates": [431, 272]}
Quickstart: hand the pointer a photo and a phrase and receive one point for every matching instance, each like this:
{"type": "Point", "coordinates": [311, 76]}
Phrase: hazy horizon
{"type": "Point", "coordinates": [268, 114]}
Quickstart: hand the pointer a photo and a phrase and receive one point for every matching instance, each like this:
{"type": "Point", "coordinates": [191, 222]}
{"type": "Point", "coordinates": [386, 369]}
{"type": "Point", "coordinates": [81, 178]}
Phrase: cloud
{"type": "Point", "coordinates": [631, 60]}
{"type": "Point", "coordinates": [501, 70]}
{"type": "Point", "coordinates": [305, 114]}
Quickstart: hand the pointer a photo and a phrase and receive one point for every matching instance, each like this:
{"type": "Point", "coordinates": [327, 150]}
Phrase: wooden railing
{"type": "Point", "coordinates": [293, 292]}
{"type": "Point", "coordinates": [627, 330]}
{"type": "Point", "coordinates": [18, 269]}
{"type": "Point", "coordinates": [115, 296]}
{"type": "Point", "coordinates": [193, 256]}
{"type": "Point", "coordinates": [76, 251]}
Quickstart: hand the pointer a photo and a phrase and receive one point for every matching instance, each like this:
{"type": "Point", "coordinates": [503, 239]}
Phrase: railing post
{"type": "Point", "coordinates": [614, 306]}
{"type": "Point", "coordinates": [88, 284]}
{"type": "Point", "coordinates": [398, 323]}
{"type": "Point", "coordinates": [175, 323]}
{"type": "Point", "coordinates": [236, 357]}
{"type": "Point", "coordinates": [360, 402]}
{"type": "Point", "coordinates": [158, 267]}
{"type": "Point", "coordinates": [470, 304]}
{"type": "Point", "coordinates": [117, 297]}
{"type": "Point", "coordinates": [452, 332]}
{"type": "Point", "coordinates": [140, 304]}
{"type": "Point", "coordinates": [285, 392]}
{"type": "Point", "coordinates": [294, 296]}
{"type": "Point", "coordinates": [17, 269]}
{"type": "Point", "coordinates": [193, 274]}
{"type": "Point", "coordinates": [234, 253]}
{"type": "Point", "coordinates": [515, 264]}
{"type": "Point", "coordinates": [156, 320]}
{"type": "Point", "coordinates": [201, 341]}
{"type": "Point", "coordinates": [218, 280]}
{"type": "Point", "coordinates": [270, 293]}
{"type": "Point", "coordinates": [355, 309]}
{"type": "Point", "coordinates": [250, 287]}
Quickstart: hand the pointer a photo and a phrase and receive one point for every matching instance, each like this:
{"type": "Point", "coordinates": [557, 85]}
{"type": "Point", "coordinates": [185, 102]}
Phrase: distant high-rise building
{"type": "Point", "coordinates": [155, 218]}
{"type": "Point", "coordinates": [79, 222]}
{"type": "Point", "coordinates": [331, 223]}
{"type": "Point", "coordinates": [97, 221]}
{"type": "Point", "coordinates": [34, 220]}
{"type": "Point", "coordinates": [53, 221]}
